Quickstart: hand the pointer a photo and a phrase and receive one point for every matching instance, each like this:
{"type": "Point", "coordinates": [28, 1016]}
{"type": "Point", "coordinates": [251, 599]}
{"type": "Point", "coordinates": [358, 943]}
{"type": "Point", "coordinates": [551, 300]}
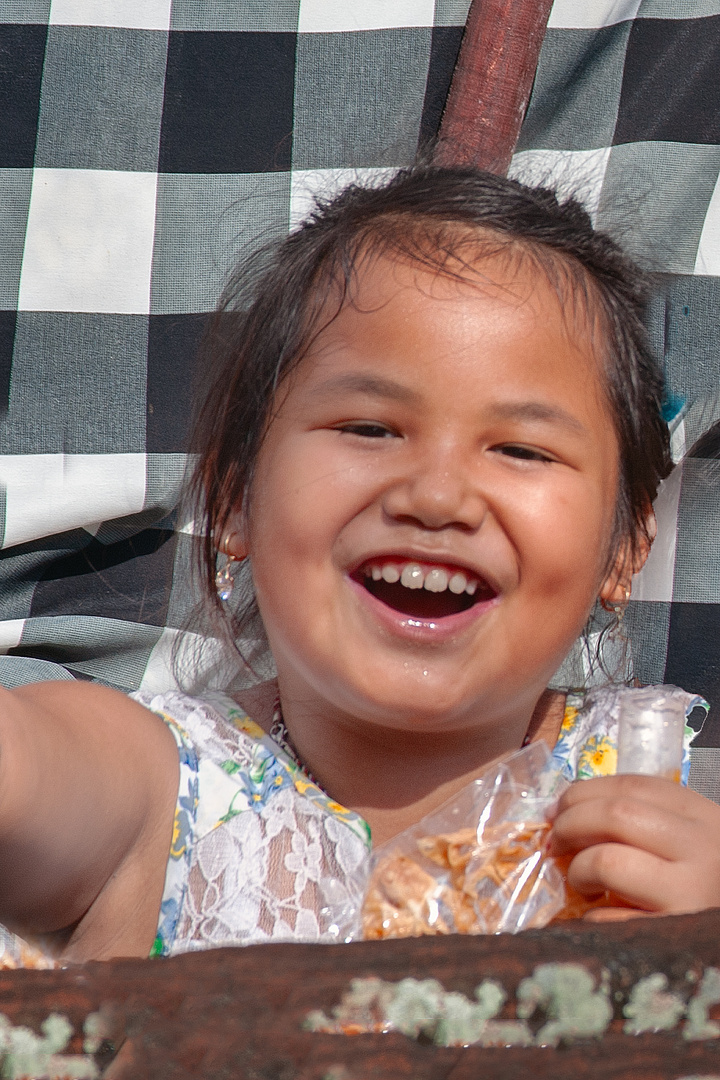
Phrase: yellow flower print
{"type": "Point", "coordinates": [177, 845]}
{"type": "Point", "coordinates": [598, 758]}
{"type": "Point", "coordinates": [244, 723]}
{"type": "Point", "coordinates": [569, 718]}
{"type": "Point", "coordinates": [303, 786]}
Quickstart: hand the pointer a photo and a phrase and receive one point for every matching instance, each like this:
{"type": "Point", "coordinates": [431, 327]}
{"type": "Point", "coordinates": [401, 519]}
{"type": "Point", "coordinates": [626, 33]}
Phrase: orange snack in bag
{"type": "Point", "coordinates": [491, 875]}
{"type": "Point", "coordinates": [479, 881]}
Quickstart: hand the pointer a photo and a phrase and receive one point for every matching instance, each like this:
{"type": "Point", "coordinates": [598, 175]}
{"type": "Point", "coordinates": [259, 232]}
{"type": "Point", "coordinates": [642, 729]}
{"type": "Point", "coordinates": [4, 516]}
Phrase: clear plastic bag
{"type": "Point", "coordinates": [478, 864]}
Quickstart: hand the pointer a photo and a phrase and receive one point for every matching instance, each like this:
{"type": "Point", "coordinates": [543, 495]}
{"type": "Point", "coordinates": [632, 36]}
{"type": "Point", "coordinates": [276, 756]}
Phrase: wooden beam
{"type": "Point", "coordinates": [240, 1012]}
{"type": "Point", "coordinates": [491, 85]}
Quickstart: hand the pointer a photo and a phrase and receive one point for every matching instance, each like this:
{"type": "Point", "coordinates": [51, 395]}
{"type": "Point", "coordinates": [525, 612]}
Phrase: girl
{"type": "Point", "coordinates": [432, 442]}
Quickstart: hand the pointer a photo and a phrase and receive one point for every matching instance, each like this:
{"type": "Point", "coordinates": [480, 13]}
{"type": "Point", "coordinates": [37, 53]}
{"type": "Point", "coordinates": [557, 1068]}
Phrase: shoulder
{"type": "Point", "coordinates": [214, 724]}
{"type": "Point", "coordinates": [587, 741]}
{"type": "Point", "coordinates": [96, 715]}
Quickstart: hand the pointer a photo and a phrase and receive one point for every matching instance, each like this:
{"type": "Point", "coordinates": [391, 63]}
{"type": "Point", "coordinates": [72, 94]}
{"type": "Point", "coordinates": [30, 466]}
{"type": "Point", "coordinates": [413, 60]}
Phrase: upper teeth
{"type": "Point", "coordinates": [413, 576]}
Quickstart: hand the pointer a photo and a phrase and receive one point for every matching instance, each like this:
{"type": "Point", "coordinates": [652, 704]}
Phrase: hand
{"type": "Point", "coordinates": [650, 842]}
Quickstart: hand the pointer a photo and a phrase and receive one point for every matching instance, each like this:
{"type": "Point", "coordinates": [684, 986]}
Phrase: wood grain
{"type": "Point", "coordinates": [492, 82]}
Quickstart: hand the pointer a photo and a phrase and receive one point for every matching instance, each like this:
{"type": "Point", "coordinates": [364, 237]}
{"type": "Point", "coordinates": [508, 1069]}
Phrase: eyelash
{"type": "Point", "coordinates": [523, 453]}
{"type": "Point", "coordinates": [367, 430]}
{"type": "Point", "coordinates": [374, 431]}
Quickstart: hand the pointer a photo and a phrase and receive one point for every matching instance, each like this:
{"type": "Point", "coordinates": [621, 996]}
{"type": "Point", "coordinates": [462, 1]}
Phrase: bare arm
{"type": "Point", "coordinates": [88, 782]}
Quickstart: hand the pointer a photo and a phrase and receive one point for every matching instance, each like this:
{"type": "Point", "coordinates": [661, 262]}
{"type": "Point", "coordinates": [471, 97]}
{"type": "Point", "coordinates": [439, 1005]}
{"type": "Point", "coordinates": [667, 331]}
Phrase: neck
{"type": "Point", "coordinates": [394, 777]}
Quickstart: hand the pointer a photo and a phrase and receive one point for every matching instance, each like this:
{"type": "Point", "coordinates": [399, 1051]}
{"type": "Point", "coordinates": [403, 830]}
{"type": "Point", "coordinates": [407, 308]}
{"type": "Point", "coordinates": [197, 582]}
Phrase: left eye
{"type": "Point", "coordinates": [367, 430]}
{"type": "Point", "coordinates": [523, 453]}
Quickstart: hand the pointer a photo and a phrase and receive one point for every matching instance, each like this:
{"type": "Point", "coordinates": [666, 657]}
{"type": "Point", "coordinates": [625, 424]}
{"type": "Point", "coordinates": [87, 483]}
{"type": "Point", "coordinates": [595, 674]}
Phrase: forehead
{"type": "Point", "coordinates": [452, 253]}
{"type": "Point", "coordinates": [472, 308]}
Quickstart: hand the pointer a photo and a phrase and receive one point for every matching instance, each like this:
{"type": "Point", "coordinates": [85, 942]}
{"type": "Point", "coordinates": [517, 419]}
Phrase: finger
{"type": "Point", "coordinates": [625, 820]}
{"type": "Point", "coordinates": [638, 878]}
{"type": "Point", "coordinates": [652, 789]}
{"type": "Point", "coordinates": [619, 914]}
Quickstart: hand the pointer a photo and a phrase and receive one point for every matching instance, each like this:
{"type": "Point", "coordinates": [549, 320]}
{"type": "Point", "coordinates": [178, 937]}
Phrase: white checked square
{"type": "Point", "coordinates": [579, 173]}
{"type": "Point", "coordinates": [179, 650]}
{"type": "Point", "coordinates": [589, 14]}
{"type": "Point", "coordinates": [53, 493]}
{"type": "Point", "coordinates": [337, 16]}
{"type": "Point", "coordinates": [89, 241]}
{"type": "Point", "coordinates": [708, 254]}
{"type": "Point", "coordinates": [133, 14]}
{"type": "Point", "coordinates": [10, 634]}
{"type": "Point", "coordinates": [306, 184]}
{"type": "Point", "coordinates": [655, 580]}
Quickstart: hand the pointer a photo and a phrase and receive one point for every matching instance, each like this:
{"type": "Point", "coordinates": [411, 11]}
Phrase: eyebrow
{"type": "Point", "coordinates": [376, 386]}
{"type": "Point", "coordinates": [372, 385]}
{"type": "Point", "coordinates": [537, 411]}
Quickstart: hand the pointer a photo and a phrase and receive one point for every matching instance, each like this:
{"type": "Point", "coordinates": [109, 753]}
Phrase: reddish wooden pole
{"type": "Point", "coordinates": [492, 83]}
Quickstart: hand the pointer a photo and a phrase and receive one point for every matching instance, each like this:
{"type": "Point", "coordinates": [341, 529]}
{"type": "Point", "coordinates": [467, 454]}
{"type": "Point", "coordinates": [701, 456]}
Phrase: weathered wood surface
{"type": "Point", "coordinates": [492, 82]}
{"type": "Point", "coordinates": [239, 1012]}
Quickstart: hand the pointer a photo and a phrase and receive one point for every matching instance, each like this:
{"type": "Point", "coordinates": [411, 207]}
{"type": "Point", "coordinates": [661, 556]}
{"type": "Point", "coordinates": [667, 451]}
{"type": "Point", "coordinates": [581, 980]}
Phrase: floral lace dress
{"type": "Point", "coordinates": [260, 853]}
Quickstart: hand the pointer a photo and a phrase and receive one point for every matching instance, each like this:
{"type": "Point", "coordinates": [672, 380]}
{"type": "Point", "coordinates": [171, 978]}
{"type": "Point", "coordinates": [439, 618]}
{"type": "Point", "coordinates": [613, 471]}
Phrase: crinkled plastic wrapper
{"type": "Point", "coordinates": [478, 864]}
{"type": "Point", "coordinates": [16, 952]}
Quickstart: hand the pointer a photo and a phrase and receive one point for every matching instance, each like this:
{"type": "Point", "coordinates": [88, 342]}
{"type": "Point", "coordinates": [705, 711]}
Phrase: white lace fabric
{"type": "Point", "coordinates": [259, 852]}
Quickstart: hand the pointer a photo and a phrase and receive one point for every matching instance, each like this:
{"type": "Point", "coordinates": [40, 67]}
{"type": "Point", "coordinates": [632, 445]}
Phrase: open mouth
{"type": "Point", "coordinates": [423, 591]}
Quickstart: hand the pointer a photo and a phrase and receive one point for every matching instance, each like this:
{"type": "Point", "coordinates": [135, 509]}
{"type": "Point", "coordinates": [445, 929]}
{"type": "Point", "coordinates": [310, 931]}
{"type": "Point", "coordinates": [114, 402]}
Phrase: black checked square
{"type": "Point", "coordinates": [444, 50]}
{"type": "Point", "coordinates": [693, 660]}
{"type": "Point", "coordinates": [172, 365]}
{"type": "Point", "coordinates": [228, 102]}
{"type": "Point", "coordinates": [671, 88]}
{"type": "Point", "coordinates": [7, 340]}
{"type": "Point", "coordinates": [129, 579]}
{"type": "Point", "coordinates": [22, 51]}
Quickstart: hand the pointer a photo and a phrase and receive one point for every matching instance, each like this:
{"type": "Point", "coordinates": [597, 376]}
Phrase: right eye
{"type": "Point", "coordinates": [367, 430]}
{"type": "Point", "coordinates": [523, 453]}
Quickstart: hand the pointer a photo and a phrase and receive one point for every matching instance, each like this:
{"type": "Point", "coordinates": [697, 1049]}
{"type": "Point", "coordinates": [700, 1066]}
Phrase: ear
{"type": "Point", "coordinates": [234, 540]}
{"type": "Point", "coordinates": [617, 586]}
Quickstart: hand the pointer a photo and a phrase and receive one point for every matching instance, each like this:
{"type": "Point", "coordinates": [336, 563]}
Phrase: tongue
{"type": "Point", "coordinates": [419, 603]}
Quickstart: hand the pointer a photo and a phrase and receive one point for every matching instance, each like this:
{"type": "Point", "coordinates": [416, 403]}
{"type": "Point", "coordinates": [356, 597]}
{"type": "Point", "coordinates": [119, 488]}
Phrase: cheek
{"type": "Point", "coordinates": [569, 530]}
{"type": "Point", "coordinates": [302, 498]}
{"type": "Point", "coordinates": [308, 491]}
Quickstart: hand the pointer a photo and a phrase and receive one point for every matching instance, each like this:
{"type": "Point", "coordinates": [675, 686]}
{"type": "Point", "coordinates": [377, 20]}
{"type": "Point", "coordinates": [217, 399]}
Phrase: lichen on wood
{"type": "Point", "coordinates": [571, 1002]}
{"type": "Point", "coordinates": [574, 1006]}
{"type": "Point", "coordinates": [652, 1007]}
{"type": "Point", "coordinates": [24, 1054]}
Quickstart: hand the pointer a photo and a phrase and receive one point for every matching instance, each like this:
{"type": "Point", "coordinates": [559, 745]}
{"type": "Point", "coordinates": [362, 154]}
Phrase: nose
{"type": "Point", "coordinates": [440, 490]}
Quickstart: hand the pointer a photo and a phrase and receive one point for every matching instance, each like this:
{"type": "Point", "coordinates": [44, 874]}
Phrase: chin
{"type": "Point", "coordinates": [418, 707]}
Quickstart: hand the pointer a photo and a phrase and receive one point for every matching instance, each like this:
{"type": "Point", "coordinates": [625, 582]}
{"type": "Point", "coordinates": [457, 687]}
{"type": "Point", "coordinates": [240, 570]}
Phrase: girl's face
{"type": "Point", "coordinates": [434, 501]}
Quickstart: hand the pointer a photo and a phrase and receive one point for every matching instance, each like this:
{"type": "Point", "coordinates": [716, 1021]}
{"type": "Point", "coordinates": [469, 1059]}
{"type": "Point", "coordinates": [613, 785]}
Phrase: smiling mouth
{"type": "Point", "coordinates": [423, 591]}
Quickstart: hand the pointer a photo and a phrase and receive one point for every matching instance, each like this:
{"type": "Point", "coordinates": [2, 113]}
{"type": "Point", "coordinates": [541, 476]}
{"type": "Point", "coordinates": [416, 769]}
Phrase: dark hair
{"type": "Point", "coordinates": [271, 308]}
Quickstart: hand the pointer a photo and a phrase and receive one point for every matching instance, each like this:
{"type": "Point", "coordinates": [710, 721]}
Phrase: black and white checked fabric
{"type": "Point", "coordinates": [143, 143]}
